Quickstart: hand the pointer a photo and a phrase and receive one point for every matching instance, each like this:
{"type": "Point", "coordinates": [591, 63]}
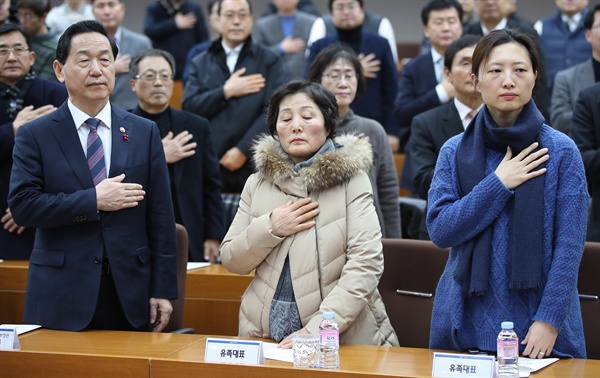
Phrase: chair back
{"type": "Point", "coordinates": [412, 269]}
{"type": "Point", "coordinates": [588, 286]}
{"type": "Point", "coordinates": [176, 320]}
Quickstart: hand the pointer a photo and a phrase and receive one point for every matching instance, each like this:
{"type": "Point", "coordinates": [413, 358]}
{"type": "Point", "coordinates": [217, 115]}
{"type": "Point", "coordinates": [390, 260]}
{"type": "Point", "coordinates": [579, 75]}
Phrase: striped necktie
{"type": "Point", "coordinates": [95, 152]}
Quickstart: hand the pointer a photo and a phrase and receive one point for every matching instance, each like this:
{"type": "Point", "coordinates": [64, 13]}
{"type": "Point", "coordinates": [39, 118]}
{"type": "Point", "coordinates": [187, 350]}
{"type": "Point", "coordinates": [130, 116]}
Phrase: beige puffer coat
{"type": "Point", "coordinates": [335, 266]}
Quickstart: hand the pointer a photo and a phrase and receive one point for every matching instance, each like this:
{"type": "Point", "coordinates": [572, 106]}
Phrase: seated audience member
{"type": "Point", "coordinates": [493, 15]}
{"type": "Point", "coordinates": [305, 6]}
{"type": "Point", "coordinates": [338, 69]}
{"type": "Point", "coordinates": [371, 22]}
{"type": "Point", "coordinates": [431, 129]}
{"type": "Point", "coordinates": [25, 97]}
{"type": "Point", "coordinates": [213, 21]}
{"type": "Point", "coordinates": [311, 233]}
{"type": "Point", "coordinates": [563, 37]}
{"type": "Point", "coordinates": [175, 26]}
{"type": "Point", "coordinates": [512, 14]}
{"type": "Point", "coordinates": [230, 84]}
{"type": "Point", "coordinates": [422, 83]}
{"type": "Point", "coordinates": [32, 17]}
{"type": "Point", "coordinates": [382, 79]}
{"type": "Point", "coordinates": [509, 198]}
{"type": "Point", "coordinates": [568, 83]}
{"type": "Point", "coordinates": [585, 131]}
{"type": "Point", "coordinates": [193, 165]}
{"type": "Point", "coordinates": [5, 12]}
{"type": "Point", "coordinates": [286, 34]}
{"type": "Point", "coordinates": [69, 12]}
{"type": "Point", "coordinates": [110, 14]}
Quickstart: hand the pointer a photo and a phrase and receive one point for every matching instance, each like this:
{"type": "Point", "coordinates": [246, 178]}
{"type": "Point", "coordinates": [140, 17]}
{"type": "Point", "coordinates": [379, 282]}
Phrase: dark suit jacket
{"type": "Point", "coordinates": [377, 101]}
{"type": "Point", "coordinates": [51, 189]}
{"type": "Point", "coordinates": [416, 92]}
{"type": "Point", "coordinates": [585, 131]}
{"type": "Point", "coordinates": [429, 131]}
{"type": "Point", "coordinates": [42, 92]}
{"type": "Point", "coordinates": [196, 183]}
{"type": "Point", "coordinates": [541, 92]}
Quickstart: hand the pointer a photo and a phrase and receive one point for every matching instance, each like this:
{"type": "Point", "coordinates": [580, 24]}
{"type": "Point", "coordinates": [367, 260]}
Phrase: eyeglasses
{"type": "Point", "coordinates": [150, 77]}
{"type": "Point", "coordinates": [350, 6]}
{"type": "Point", "coordinates": [17, 50]}
{"type": "Point", "coordinates": [337, 77]}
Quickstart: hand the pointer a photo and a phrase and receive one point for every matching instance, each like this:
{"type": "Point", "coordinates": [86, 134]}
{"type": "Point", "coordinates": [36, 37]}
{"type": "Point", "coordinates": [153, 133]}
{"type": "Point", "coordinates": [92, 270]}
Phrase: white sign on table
{"type": "Point", "coordinates": [234, 351]}
{"type": "Point", "coordinates": [463, 365]}
{"type": "Point", "coordinates": [9, 340]}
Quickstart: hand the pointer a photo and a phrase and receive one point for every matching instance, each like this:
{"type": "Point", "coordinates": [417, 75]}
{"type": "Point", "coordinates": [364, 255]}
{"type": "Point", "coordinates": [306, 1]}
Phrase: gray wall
{"type": "Point", "coordinates": [404, 14]}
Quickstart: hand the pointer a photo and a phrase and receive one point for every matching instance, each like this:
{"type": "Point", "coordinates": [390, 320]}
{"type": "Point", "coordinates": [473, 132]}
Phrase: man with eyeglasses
{"type": "Point", "coordinates": [190, 154]}
{"type": "Point", "coordinates": [110, 14]}
{"type": "Point", "coordinates": [569, 82]}
{"type": "Point", "coordinates": [23, 98]}
{"type": "Point", "coordinates": [230, 84]}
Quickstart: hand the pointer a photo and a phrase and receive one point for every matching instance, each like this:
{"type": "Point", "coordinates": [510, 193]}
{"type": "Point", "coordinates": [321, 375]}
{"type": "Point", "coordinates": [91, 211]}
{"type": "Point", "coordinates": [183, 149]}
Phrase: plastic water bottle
{"type": "Point", "coordinates": [508, 352]}
{"type": "Point", "coordinates": [329, 334]}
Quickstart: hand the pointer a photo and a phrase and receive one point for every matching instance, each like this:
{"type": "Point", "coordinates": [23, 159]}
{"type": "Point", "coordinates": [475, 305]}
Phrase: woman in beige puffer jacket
{"type": "Point", "coordinates": [336, 264]}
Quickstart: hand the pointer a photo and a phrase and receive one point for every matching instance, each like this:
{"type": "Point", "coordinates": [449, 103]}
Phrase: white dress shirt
{"type": "Point", "coordinates": [79, 118]}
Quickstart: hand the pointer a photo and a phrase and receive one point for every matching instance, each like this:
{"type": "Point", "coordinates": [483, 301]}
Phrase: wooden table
{"type": "Point", "coordinates": [136, 354]}
{"type": "Point", "coordinates": [212, 297]}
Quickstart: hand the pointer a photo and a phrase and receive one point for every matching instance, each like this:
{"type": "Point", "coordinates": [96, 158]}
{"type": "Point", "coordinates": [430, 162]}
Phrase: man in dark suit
{"type": "Point", "coordinates": [585, 131]}
{"type": "Point", "coordinates": [193, 169]}
{"type": "Point", "coordinates": [24, 97]}
{"type": "Point", "coordinates": [422, 84]}
{"type": "Point", "coordinates": [431, 129]}
{"type": "Point", "coordinates": [93, 179]}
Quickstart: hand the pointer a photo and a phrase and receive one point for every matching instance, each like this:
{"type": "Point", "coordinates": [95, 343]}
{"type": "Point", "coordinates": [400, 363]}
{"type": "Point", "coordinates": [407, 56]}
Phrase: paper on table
{"type": "Point", "coordinates": [22, 328]}
{"type": "Point", "coordinates": [196, 265]}
{"type": "Point", "coordinates": [271, 352]}
{"type": "Point", "coordinates": [530, 365]}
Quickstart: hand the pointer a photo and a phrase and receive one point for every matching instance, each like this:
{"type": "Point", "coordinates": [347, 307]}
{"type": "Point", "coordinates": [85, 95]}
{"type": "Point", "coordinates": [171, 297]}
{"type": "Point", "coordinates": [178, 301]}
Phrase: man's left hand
{"type": "Point", "coordinates": [9, 223]}
{"type": "Point", "coordinates": [211, 250]}
{"type": "Point", "coordinates": [122, 63]}
{"type": "Point", "coordinates": [160, 312]}
{"type": "Point", "coordinates": [233, 159]}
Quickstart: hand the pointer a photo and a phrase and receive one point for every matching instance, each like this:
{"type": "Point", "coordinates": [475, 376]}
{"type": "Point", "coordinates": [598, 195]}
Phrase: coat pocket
{"type": "Point", "coordinates": [48, 258]}
{"type": "Point", "coordinates": [143, 254]}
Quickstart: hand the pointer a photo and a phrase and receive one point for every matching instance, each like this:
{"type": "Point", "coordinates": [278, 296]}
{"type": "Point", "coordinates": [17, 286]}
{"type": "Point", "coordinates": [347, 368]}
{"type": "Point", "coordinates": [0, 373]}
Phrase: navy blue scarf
{"type": "Point", "coordinates": [526, 226]}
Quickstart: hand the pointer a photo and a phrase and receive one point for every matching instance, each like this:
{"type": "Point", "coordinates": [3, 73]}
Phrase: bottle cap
{"type": "Point", "coordinates": [508, 325]}
{"type": "Point", "coordinates": [328, 315]}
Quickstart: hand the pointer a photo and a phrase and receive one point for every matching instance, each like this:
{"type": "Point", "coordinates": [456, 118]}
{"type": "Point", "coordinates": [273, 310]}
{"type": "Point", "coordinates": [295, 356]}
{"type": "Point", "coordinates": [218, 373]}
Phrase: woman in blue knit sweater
{"type": "Point", "coordinates": [509, 197]}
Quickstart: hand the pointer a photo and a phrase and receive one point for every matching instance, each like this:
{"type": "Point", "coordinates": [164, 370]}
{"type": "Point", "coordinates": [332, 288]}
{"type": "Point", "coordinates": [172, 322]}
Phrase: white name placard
{"type": "Point", "coordinates": [9, 340]}
{"type": "Point", "coordinates": [234, 351]}
{"type": "Point", "coordinates": [463, 365]}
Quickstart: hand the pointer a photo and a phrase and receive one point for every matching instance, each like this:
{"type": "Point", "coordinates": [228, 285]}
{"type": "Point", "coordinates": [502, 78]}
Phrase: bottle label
{"type": "Point", "coordinates": [508, 348]}
{"type": "Point", "coordinates": [329, 337]}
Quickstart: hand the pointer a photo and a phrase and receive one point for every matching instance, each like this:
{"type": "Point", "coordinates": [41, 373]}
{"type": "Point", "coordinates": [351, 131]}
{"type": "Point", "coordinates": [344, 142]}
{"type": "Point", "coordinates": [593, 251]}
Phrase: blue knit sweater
{"type": "Point", "coordinates": [459, 323]}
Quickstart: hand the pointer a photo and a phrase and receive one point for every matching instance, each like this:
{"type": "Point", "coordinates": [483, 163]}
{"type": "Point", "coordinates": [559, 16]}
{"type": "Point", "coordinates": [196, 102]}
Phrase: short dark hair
{"type": "Point", "coordinates": [588, 21]}
{"type": "Point", "coordinates": [330, 55]}
{"type": "Point", "coordinates": [39, 7]}
{"type": "Point", "coordinates": [463, 42]}
{"type": "Point", "coordinates": [221, 2]}
{"type": "Point", "coordinates": [324, 99]}
{"type": "Point", "coordinates": [500, 37]}
{"type": "Point", "coordinates": [86, 26]}
{"type": "Point", "coordinates": [134, 65]}
{"type": "Point", "coordinates": [330, 5]}
{"type": "Point", "coordinates": [435, 5]}
{"type": "Point", "coordinates": [210, 5]}
{"type": "Point", "coordinates": [9, 27]}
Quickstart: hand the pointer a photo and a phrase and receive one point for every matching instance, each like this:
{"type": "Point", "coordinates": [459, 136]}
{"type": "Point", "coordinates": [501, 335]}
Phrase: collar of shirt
{"type": "Point", "coordinates": [463, 111]}
{"type": "Point", "coordinates": [79, 117]}
{"type": "Point", "coordinates": [501, 25]}
{"type": "Point", "coordinates": [117, 36]}
{"type": "Point", "coordinates": [232, 55]}
{"type": "Point", "coordinates": [81, 10]}
{"type": "Point", "coordinates": [573, 22]}
{"type": "Point", "coordinates": [438, 64]}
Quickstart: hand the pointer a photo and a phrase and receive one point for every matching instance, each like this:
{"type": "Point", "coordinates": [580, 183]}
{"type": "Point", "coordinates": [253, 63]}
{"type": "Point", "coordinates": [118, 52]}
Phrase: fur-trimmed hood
{"type": "Point", "coordinates": [329, 169]}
